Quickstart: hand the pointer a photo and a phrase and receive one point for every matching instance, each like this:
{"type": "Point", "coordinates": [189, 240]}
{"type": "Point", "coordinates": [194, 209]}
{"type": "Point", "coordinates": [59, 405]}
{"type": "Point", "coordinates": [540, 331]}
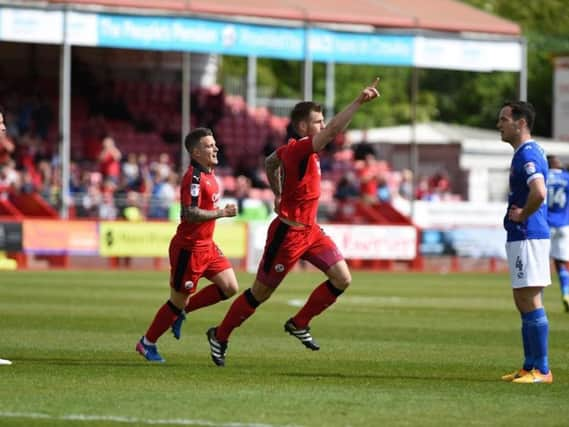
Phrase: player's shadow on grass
{"type": "Point", "coordinates": [384, 376]}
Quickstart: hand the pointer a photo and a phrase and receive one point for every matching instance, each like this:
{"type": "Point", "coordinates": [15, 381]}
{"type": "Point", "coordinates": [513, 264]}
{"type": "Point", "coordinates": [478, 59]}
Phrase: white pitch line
{"type": "Point", "coordinates": [5, 362]}
{"type": "Point", "coordinates": [130, 420]}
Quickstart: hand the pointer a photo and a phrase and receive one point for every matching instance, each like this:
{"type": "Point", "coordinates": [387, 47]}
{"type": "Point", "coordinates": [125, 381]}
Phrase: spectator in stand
{"type": "Point", "coordinates": [423, 190]}
{"type": "Point", "coordinates": [7, 147]}
{"type": "Point", "coordinates": [242, 189]}
{"type": "Point", "coordinates": [367, 175]}
{"type": "Point", "coordinates": [76, 189]}
{"type": "Point", "coordinates": [107, 208]}
{"type": "Point", "coordinates": [132, 210]}
{"type": "Point", "coordinates": [27, 158]}
{"type": "Point", "coordinates": [258, 175]}
{"type": "Point", "coordinates": [12, 130]}
{"type": "Point", "coordinates": [93, 197]}
{"type": "Point", "coordinates": [163, 168]}
{"type": "Point", "coordinates": [145, 175]}
{"type": "Point", "coordinates": [27, 183]}
{"type": "Point", "coordinates": [347, 187]}
{"type": "Point", "coordinates": [383, 190]}
{"type": "Point", "coordinates": [163, 195]}
{"type": "Point", "coordinates": [270, 145]}
{"type": "Point", "coordinates": [131, 172]}
{"type": "Point", "coordinates": [406, 184]}
{"type": "Point", "coordinates": [439, 187]}
{"type": "Point", "coordinates": [109, 160]}
{"type": "Point", "coordinates": [9, 180]}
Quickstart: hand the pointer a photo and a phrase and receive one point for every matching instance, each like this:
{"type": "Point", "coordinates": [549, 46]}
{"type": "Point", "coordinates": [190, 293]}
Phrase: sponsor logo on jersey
{"type": "Point", "coordinates": [529, 167]}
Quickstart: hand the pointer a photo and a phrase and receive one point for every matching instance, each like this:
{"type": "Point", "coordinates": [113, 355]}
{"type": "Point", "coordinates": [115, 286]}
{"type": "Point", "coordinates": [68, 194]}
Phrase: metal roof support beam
{"type": "Point", "coordinates": [186, 108]}
{"type": "Point", "coordinates": [523, 82]}
{"type": "Point", "coordinates": [252, 81]}
{"type": "Point", "coordinates": [330, 89]}
{"type": "Point", "coordinates": [65, 118]}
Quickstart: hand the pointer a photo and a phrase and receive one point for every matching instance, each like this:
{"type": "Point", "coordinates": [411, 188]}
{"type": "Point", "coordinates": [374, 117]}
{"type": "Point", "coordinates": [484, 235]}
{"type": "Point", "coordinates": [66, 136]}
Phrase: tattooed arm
{"type": "Point", "coordinates": [195, 214]}
{"type": "Point", "coordinates": [273, 169]}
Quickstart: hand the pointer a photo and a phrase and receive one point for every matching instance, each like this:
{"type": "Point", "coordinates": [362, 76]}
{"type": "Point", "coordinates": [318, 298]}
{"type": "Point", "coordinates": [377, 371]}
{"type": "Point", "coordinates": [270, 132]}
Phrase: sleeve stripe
{"type": "Point", "coordinates": [196, 173]}
{"type": "Point", "coordinates": [534, 176]}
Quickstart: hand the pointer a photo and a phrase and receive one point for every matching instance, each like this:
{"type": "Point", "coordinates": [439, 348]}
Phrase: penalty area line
{"type": "Point", "coordinates": [132, 420]}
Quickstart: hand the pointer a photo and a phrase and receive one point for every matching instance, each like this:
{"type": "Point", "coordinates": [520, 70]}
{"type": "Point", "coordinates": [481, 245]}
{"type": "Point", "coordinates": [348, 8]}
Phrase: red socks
{"type": "Point", "coordinates": [241, 309]}
{"type": "Point", "coordinates": [164, 318]}
{"type": "Point", "coordinates": [320, 299]}
{"type": "Point", "coordinates": [207, 296]}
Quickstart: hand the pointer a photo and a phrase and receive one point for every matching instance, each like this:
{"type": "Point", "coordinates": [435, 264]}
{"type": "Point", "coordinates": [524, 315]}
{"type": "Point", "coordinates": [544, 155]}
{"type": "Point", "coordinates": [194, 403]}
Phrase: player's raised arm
{"type": "Point", "coordinates": [343, 118]}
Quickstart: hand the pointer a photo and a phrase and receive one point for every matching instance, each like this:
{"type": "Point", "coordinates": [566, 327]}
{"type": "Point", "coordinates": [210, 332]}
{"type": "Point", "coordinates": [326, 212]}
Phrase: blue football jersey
{"type": "Point", "coordinates": [558, 198]}
{"type": "Point", "coordinates": [529, 162]}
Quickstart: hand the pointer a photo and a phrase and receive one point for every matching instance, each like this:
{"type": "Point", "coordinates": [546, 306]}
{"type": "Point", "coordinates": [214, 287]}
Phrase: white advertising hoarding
{"type": "Point", "coordinates": [353, 241]}
{"type": "Point", "coordinates": [561, 99]}
{"type": "Point", "coordinates": [31, 25]}
{"type": "Point", "coordinates": [472, 55]}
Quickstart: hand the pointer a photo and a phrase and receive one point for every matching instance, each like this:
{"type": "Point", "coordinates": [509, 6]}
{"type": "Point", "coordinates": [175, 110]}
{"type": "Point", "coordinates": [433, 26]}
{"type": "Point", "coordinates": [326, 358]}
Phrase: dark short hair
{"type": "Point", "coordinates": [554, 162]}
{"type": "Point", "coordinates": [2, 112]}
{"type": "Point", "coordinates": [301, 112]}
{"type": "Point", "coordinates": [522, 110]}
{"type": "Point", "coordinates": [194, 137]}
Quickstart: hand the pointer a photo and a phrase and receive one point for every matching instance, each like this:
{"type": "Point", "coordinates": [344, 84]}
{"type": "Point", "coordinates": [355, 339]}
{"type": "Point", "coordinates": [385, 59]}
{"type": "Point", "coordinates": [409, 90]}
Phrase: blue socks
{"type": "Point", "coordinates": [535, 332]}
{"type": "Point", "coordinates": [528, 356]}
{"type": "Point", "coordinates": [563, 280]}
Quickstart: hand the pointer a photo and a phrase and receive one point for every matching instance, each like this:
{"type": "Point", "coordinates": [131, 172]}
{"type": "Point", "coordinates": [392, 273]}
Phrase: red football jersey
{"type": "Point", "coordinates": [199, 188]}
{"type": "Point", "coordinates": [301, 181]}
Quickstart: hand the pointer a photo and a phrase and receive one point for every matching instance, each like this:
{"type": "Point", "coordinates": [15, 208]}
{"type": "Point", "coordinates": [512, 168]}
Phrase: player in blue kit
{"type": "Point", "coordinates": [558, 219]}
{"type": "Point", "coordinates": [528, 241]}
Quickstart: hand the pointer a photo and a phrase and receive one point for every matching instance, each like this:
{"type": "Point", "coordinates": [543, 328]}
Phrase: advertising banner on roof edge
{"type": "Point", "coordinates": [233, 38]}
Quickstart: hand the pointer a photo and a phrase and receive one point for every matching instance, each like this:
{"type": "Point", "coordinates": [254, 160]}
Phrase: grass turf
{"type": "Point", "coordinates": [397, 350]}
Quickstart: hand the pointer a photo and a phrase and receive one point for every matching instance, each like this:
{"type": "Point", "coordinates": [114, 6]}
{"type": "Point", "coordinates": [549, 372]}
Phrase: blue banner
{"type": "Point", "coordinates": [195, 35]}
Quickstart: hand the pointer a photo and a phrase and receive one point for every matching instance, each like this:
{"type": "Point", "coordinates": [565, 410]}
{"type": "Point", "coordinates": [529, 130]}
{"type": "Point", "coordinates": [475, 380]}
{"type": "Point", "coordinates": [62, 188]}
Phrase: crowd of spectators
{"type": "Point", "coordinates": [110, 184]}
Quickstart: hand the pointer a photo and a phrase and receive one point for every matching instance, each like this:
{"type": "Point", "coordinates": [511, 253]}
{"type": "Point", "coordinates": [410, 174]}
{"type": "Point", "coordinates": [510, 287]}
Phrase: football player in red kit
{"type": "Point", "coordinates": [294, 175]}
{"type": "Point", "coordinates": [193, 253]}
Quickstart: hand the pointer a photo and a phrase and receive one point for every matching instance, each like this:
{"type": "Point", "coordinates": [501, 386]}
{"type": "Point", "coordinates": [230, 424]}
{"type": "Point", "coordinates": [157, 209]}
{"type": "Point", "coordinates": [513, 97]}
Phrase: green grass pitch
{"type": "Point", "coordinates": [397, 350]}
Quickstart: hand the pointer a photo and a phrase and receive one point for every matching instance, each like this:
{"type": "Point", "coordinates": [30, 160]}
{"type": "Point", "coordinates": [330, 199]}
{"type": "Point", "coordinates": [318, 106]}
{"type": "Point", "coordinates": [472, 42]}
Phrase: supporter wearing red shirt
{"type": "Point", "coordinates": [109, 161]}
{"type": "Point", "coordinates": [367, 175]}
{"type": "Point", "coordinates": [293, 171]}
{"type": "Point", "coordinates": [193, 253]}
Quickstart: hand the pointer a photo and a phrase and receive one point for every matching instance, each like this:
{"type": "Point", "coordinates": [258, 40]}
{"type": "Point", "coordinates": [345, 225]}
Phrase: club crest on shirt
{"type": "Point", "coordinates": [279, 268]}
{"type": "Point", "coordinates": [529, 167]}
{"type": "Point", "coordinates": [189, 285]}
{"type": "Point", "coordinates": [195, 190]}
{"type": "Point", "coordinates": [215, 199]}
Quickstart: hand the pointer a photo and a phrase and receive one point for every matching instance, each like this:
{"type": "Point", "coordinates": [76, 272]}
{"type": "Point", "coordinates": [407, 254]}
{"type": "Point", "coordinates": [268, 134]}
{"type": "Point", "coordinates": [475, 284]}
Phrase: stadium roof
{"type": "Point", "coordinates": [433, 15]}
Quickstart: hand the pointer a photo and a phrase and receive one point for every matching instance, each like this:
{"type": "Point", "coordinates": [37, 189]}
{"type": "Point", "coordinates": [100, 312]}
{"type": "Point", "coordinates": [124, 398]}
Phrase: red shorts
{"type": "Point", "coordinates": [287, 244]}
{"type": "Point", "coordinates": [188, 265]}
